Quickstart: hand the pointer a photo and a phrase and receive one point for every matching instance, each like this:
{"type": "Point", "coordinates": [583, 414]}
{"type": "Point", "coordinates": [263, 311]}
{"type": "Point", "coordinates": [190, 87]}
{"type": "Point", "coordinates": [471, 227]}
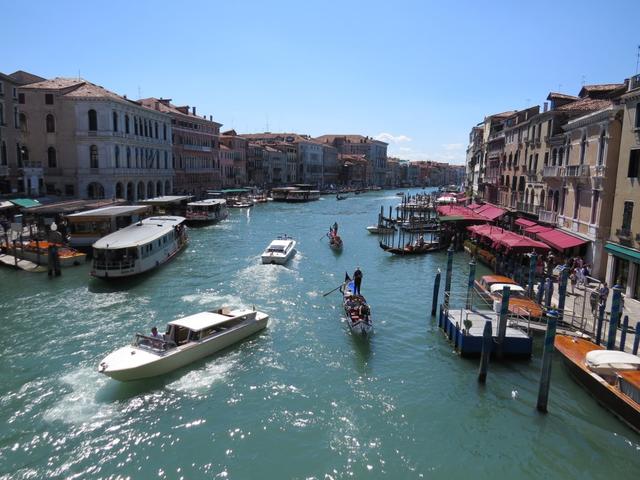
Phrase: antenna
{"type": "Point", "coordinates": [584, 80]}
{"type": "Point", "coordinates": [139, 92]}
{"type": "Point", "coordinates": [638, 59]}
{"type": "Point", "coordinates": [267, 130]}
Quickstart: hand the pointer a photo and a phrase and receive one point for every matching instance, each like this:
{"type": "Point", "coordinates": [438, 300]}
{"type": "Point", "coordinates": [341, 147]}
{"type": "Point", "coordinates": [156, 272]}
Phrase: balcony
{"type": "Point", "coordinates": [598, 173]}
{"type": "Point", "coordinates": [533, 176]}
{"type": "Point", "coordinates": [552, 171]}
{"type": "Point", "coordinates": [196, 148]}
{"type": "Point", "coordinates": [577, 171]}
{"type": "Point", "coordinates": [623, 233]}
{"type": "Point", "coordinates": [547, 216]}
{"type": "Point", "coordinates": [528, 208]}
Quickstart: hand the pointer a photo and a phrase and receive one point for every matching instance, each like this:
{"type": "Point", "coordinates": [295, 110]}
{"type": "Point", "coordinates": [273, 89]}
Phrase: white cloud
{"type": "Point", "coordinates": [453, 146]}
{"type": "Point", "coordinates": [389, 138]}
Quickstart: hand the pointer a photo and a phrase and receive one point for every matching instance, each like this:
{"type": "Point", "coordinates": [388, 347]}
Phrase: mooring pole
{"type": "Point", "coordinates": [623, 335]}
{"type": "Point", "coordinates": [533, 261]}
{"type": "Point", "coordinates": [562, 292]}
{"type": "Point", "coordinates": [601, 309]}
{"type": "Point", "coordinates": [540, 292]}
{"type": "Point", "coordinates": [548, 292]}
{"type": "Point", "coordinates": [487, 340]}
{"type": "Point", "coordinates": [472, 278]}
{"type": "Point", "coordinates": [502, 326]}
{"type": "Point", "coordinates": [436, 293]}
{"type": "Point", "coordinates": [545, 374]}
{"type": "Point", "coordinates": [447, 280]}
{"type": "Point", "coordinates": [636, 339]}
{"type": "Point", "coordinates": [615, 315]}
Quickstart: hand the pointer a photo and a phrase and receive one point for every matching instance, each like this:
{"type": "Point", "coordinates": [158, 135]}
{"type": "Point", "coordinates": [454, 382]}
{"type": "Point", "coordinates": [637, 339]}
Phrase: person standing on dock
{"type": "Point", "coordinates": [357, 281]}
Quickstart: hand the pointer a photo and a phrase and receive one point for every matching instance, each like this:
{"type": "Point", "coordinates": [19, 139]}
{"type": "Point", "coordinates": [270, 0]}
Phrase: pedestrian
{"type": "Point", "coordinates": [573, 278]}
{"type": "Point", "coordinates": [580, 276]}
{"type": "Point", "coordinates": [548, 288]}
{"type": "Point", "coordinates": [603, 293]}
{"type": "Point", "coordinates": [357, 281]}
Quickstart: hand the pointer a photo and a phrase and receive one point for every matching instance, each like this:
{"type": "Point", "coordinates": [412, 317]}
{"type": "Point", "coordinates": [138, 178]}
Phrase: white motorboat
{"type": "Point", "coordinates": [380, 229]}
{"type": "Point", "coordinates": [280, 251]}
{"type": "Point", "coordinates": [139, 248]}
{"type": "Point", "coordinates": [185, 341]}
{"type": "Point", "coordinates": [210, 210]}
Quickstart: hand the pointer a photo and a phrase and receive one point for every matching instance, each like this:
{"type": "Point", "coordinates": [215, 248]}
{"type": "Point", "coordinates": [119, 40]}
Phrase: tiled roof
{"type": "Point", "coordinates": [23, 78]}
{"type": "Point", "coordinates": [348, 138]}
{"type": "Point", "coordinates": [282, 137]}
{"type": "Point", "coordinates": [584, 105]}
{"type": "Point", "coordinates": [603, 87]}
{"type": "Point", "coordinates": [90, 90]}
{"type": "Point", "coordinates": [563, 96]}
{"type": "Point", "coordinates": [57, 83]}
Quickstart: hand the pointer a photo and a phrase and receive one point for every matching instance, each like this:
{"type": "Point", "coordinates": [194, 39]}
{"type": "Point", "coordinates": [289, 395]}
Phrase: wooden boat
{"type": "Point", "coordinates": [187, 340]}
{"type": "Point", "coordinates": [39, 251]}
{"type": "Point", "coordinates": [612, 377]}
{"type": "Point", "coordinates": [356, 309]}
{"type": "Point", "coordinates": [375, 229]}
{"type": "Point", "coordinates": [335, 242]}
{"type": "Point", "coordinates": [490, 288]}
{"type": "Point", "coordinates": [413, 249]}
{"type": "Point", "coordinates": [341, 196]}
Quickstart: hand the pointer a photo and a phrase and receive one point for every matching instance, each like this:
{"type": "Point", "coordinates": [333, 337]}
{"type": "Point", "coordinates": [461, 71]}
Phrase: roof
{"type": "Point", "coordinates": [497, 279]}
{"type": "Point", "coordinates": [111, 211]}
{"type": "Point", "coordinates": [207, 202]}
{"type": "Point", "coordinates": [490, 211]}
{"type": "Point", "coordinates": [56, 83]}
{"type": "Point", "coordinates": [562, 96]}
{"type": "Point", "coordinates": [559, 240]}
{"type": "Point", "coordinates": [6, 205]}
{"type": "Point", "coordinates": [445, 211]}
{"type": "Point", "coordinates": [588, 90]}
{"type": "Point", "coordinates": [498, 287]}
{"type": "Point", "coordinates": [280, 243]}
{"type": "Point", "coordinates": [164, 105]}
{"type": "Point", "coordinates": [622, 251]}
{"type": "Point", "coordinates": [523, 222]}
{"type": "Point", "coordinates": [584, 105]}
{"type": "Point", "coordinates": [537, 229]}
{"type": "Point", "coordinates": [25, 202]}
{"type": "Point", "coordinates": [348, 138]}
{"type": "Point", "coordinates": [139, 233]}
{"type": "Point", "coordinates": [166, 199]}
{"type": "Point", "coordinates": [507, 239]}
{"type": "Point", "coordinates": [200, 321]}
{"type": "Point", "coordinates": [23, 78]}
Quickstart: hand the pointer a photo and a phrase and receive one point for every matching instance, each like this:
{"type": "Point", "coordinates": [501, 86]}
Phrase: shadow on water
{"type": "Point", "coordinates": [363, 352]}
{"type": "Point", "coordinates": [110, 285]}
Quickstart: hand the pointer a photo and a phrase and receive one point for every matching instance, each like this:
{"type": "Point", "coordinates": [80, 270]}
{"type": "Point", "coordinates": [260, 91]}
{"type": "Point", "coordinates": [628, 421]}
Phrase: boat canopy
{"type": "Point", "coordinates": [139, 233]}
{"type": "Point", "coordinates": [608, 361]}
{"type": "Point", "coordinates": [203, 320]}
{"type": "Point", "coordinates": [498, 287]}
{"type": "Point", "coordinates": [279, 245]}
{"type": "Point", "coordinates": [209, 202]}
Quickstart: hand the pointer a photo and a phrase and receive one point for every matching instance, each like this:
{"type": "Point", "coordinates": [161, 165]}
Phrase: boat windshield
{"type": "Point", "coordinates": [153, 344]}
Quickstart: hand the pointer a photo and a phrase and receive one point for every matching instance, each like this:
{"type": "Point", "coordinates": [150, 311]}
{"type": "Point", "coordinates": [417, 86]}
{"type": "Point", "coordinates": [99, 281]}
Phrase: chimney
{"type": "Point", "coordinates": [545, 107]}
{"type": "Point", "coordinates": [210, 118]}
{"type": "Point", "coordinates": [194, 110]}
{"type": "Point", "coordinates": [156, 105]}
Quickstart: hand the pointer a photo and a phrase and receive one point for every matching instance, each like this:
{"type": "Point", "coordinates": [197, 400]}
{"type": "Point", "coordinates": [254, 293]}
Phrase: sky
{"type": "Point", "coordinates": [416, 74]}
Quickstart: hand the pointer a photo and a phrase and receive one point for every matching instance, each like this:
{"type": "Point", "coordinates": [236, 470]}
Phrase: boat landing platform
{"type": "Point", "coordinates": [26, 265]}
{"type": "Point", "coordinates": [469, 343]}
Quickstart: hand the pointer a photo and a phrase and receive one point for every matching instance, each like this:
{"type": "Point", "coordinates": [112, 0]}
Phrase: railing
{"type": "Point", "coordinates": [624, 233]}
{"type": "Point", "coordinates": [577, 170]}
{"type": "Point", "coordinates": [113, 265]}
{"type": "Point", "coordinates": [551, 171]}
{"type": "Point", "coordinates": [547, 216]}
{"type": "Point", "coordinates": [528, 208]}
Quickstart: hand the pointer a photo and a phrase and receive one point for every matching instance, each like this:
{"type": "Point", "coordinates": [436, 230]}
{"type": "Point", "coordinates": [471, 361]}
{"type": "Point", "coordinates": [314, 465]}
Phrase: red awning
{"type": "Point", "coordinates": [538, 229]}
{"type": "Point", "coordinates": [459, 211]}
{"type": "Point", "coordinates": [490, 211]}
{"type": "Point", "coordinates": [523, 222]}
{"type": "Point", "coordinates": [473, 206]}
{"type": "Point", "coordinates": [560, 240]}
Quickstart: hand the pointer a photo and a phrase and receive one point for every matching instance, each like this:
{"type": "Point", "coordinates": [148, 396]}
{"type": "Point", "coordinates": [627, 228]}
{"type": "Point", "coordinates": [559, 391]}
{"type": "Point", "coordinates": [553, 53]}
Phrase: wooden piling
{"type": "Point", "coordinates": [636, 339]}
{"type": "Point", "coordinates": [447, 281]}
{"type": "Point", "coordinates": [436, 293]}
{"type": "Point", "coordinates": [562, 292]}
{"type": "Point", "coordinates": [614, 318]}
{"type": "Point", "coordinates": [547, 354]}
{"type": "Point", "coordinates": [533, 260]}
{"type": "Point", "coordinates": [623, 335]}
{"type": "Point", "coordinates": [540, 292]}
{"type": "Point", "coordinates": [502, 325]}
{"type": "Point", "coordinates": [601, 309]}
{"type": "Point", "coordinates": [472, 277]}
{"type": "Point", "coordinates": [487, 341]}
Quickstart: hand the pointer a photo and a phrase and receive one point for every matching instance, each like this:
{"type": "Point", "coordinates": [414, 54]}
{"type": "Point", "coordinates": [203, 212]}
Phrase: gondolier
{"type": "Point", "coordinates": [357, 280]}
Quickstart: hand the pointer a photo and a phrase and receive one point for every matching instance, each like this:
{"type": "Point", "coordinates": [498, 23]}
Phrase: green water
{"type": "Point", "coordinates": [303, 399]}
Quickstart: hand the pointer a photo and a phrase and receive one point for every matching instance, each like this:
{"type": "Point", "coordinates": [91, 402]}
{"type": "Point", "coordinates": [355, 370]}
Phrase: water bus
{"type": "Point", "coordinates": [85, 228]}
{"type": "Point", "coordinates": [211, 210]}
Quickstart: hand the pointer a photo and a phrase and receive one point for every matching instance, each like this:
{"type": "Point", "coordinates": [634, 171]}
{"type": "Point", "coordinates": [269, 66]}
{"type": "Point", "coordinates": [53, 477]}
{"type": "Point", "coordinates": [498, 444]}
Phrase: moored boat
{"type": "Point", "coordinates": [210, 210]}
{"type": "Point", "coordinates": [279, 251]}
{"type": "Point", "coordinates": [39, 251]}
{"type": "Point", "coordinates": [611, 376]}
{"type": "Point", "coordinates": [356, 309]}
{"type": "Point", "coordinates": [415, 248]}
{"type": "Point", "coordinates": [185, 341]}
{"type": "Point", "coordinates": [380, 229]}
{"type": "Point", "coordinates": [139, 248]}
{"type": "Point", "coordinates": [490, 288]}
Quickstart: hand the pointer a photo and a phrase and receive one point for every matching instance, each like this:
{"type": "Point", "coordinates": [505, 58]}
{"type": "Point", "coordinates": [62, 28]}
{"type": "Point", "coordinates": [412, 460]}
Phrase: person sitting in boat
{"type": "Point", "coordinates": [158, 338]}
{"type": "Point", "coordinates": [363, 311]}
{"type": "Point", "coordinates": [420, 241]}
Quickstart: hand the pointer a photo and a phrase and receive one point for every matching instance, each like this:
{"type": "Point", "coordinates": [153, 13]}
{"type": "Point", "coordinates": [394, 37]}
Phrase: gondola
{"type": "Point", "coordinates": [356, 309]}
{"type": "Point", "coordinates": [413, 249]}
{"type": "Point", "coordinates": [335, 242]}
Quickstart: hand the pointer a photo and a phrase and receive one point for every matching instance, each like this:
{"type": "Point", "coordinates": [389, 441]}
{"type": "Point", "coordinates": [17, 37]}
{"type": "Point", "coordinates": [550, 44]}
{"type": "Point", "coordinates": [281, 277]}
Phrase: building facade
{"type": "Point", "coordinates": [375, 152]}
{"type": "Point", "coordinates": [93, 143]}
{"type": "Point", "coordinates": [195, 147]}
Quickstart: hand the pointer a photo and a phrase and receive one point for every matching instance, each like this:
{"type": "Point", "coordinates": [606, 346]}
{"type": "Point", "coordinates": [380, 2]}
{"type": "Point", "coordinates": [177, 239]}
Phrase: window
{"type": "Point", "coordinates": [1, 88]}
{"type": "Point", "coordinates": [93, 156]}
{"type": "Point", "coordinates": [627, 214]}
{"type": "Point", "coordinates": [51, 124]}
{"type": "Point", "coordinates": [583, 149]}
{"type": "Point", "coordinates": [576, 204]}
{"type": "Point", "coordinates": [3, 153]}
{"type": "Point", "coordinates": [164, 131]}
{"type": "Point", "coordinates": [69, 190]}
{"type": "Point", "coordinates": [21, 98]}
{"type": "Point", "coordinates": [22, 121]}
{"type": "Point", "coordinates": [638, 121]}
{"type": "Point", "coordinates": [93, 120]}
{"type": "Point", "coordinates": [126, 124]}
{"type": "Point", "coordinates": [117, 156]}
{"type": "Point", "coordinates": [601, 146]}
{"type": "Point", "coordinates": [48, 98]}
{"type": "Point", "coordinates": [51, 157]}
{"type": "Point", "coordinates": [1, 113]}
{"type": "Point", "coordinates": [166, 160]}
{"type": "Point", "coordinates": [156, 129]}
{"type": "Point", "coordinates": [128, 157]}
{"type": "Point", "coordinates": [115, 121]}
{"type": "Point", "coordinates": [634, 164]}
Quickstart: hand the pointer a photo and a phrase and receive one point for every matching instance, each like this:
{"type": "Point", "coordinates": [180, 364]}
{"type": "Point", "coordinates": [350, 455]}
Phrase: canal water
{"type": "Point", "coordinates": [303, 399]}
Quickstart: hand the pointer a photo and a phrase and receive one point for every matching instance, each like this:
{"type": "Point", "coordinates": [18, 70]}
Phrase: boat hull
{"type": "Point", "coordinates": [277, 259]}
{"type": "Point", "coordinates": [358, 326]}
{"type": "Point", "coordinates": [185, 355]}
{"type": "Point", "coordinates": [375, 229]}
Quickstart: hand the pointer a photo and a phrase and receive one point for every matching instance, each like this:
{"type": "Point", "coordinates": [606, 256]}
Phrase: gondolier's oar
{"type": "Point", "coordinates": [325, 235]}
{"type": "Point", "coordinates": [325, 294]}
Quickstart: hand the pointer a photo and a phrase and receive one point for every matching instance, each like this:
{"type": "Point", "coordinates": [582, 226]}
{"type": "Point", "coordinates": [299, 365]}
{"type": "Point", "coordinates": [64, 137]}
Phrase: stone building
{"type": "Point", "coordinates": [375, 152]}
{"type": "Point", "coordinates": [93, 143]}
{"type": "Point", "coordinates": [195, 147]}
{"type": "Point", "coordinates": [238, 146]}
{"type": "Point", "coordinates": [623, 246]}
{"type": "Point", "coordinates": [18, 173]}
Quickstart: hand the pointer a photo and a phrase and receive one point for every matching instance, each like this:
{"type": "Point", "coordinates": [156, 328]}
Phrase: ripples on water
{"type": "Point", "coordinates": [303, 399]}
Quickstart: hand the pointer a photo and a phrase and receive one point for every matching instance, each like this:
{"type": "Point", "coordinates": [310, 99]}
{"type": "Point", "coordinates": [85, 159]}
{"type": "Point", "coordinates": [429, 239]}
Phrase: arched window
{"type": "Point", "coordinates": [93, 156]}
{"type": "Point", "coordinates": [3, 153]}
{"type": "Point", "coordinates": [128, 157]}
{"type": "Point", "coordinates": [51, 157]}
{"type": "Point", "coordinates": [166, 160]}
{"type": "Point", "coordinates": [583, 148]}
{"type": "Point", "coordinates": [1, 114]}
{"type": "Point", "coordinates": [146, 128]}
{"type": "Point", "coordinates": [93, 120]}
{"type": "Point", "coordinates": [115, 121]}
{"type": "Point", "coordinates": [117, 156]}
{"type": "Point", "coordinates": [51, 124]}
{"type": "Point", "coordinates": [126, 125]}
{"type": "Point", "coordinates": [135, 125]}
{"type": "Point", "coordinates": [601, 148]}
{"type": "Point", "coordinates": [157, 155]}
{"type": "Point", "coordinates": [560, 156]}
{"type": "Point", "coordinates": [156, 129]}
{"type": "Point", "coordinates": [164, 131]}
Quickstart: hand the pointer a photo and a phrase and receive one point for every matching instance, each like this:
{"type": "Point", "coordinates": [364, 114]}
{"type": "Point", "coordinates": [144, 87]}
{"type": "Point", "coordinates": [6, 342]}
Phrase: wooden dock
{"type": "Point", "coordinates": [469, 344]}
{"type": "Point", "coordinates": [26, 265]}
